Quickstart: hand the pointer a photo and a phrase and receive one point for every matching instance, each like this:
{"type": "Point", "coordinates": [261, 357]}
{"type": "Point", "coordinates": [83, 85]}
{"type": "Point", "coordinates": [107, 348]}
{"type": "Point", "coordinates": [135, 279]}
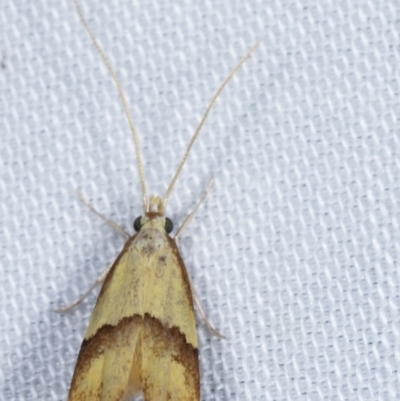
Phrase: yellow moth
{"type": "Point", "coordinates": [141, 338]}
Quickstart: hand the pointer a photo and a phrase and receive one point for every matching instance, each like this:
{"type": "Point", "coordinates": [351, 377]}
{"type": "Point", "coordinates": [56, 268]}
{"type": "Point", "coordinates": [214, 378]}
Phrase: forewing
{"type": "Point", "coordinates": [142, 333]}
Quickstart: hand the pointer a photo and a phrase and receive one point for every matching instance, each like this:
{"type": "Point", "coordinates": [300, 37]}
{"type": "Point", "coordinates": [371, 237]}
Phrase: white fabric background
{"type": "Point", "coordinates": [295, 252]}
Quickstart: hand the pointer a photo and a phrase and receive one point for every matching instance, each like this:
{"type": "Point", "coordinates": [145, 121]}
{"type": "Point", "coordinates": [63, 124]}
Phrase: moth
{"type": "Point", "coordinates": [141, 338]}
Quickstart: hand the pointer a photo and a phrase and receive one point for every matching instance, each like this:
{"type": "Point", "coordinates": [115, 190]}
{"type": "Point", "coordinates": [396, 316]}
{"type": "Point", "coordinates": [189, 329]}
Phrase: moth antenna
{"type": "Point", "coordinates": [203, 119]}
{"type": "Point", "coordinates": [190, 216]}
{"type": "Point", "coordinates": [124, 103]}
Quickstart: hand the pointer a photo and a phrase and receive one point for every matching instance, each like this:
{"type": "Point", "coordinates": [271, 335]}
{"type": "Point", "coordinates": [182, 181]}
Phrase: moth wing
{"type": "Point", "coordinates": [105, 360]}
{"type": "Point", "coordinates": [168, 354]}
{"type": "Point", "coordinates": [104, 364]}
{"type": "Point", "coordinates": [142, 333]}
{"type": "Point", "coordinates": [169, 366]}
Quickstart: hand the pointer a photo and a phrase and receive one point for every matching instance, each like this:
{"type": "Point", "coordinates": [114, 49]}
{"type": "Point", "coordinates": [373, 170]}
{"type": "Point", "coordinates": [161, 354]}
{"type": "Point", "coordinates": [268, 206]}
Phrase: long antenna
{"type": "Point", "coordinates": [124, 104]}
{"type": "Point", "coordinates": [203, 119]}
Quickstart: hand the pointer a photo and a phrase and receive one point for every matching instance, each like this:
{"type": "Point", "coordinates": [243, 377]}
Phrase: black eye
{"type": "Point", "coordinates": [168, 225]}
{"type": "Point", "coordinates": [137, 225]}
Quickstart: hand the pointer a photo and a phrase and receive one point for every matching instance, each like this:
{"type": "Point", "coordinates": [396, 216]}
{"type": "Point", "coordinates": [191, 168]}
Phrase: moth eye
{"type": "Point", "coordinates": [168, 225]}
{"type": "Point", "coordinates": [137, 225]}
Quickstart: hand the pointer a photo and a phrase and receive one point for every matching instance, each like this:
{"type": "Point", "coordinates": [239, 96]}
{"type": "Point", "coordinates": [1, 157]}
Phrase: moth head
{"type": "Point", "coordinates": [153, 219]}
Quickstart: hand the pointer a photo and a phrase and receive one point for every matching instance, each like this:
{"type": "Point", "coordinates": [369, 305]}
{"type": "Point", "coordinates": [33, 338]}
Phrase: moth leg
{"type": "Point", "coordinates": [103, 276]}
{"type": "Point", "coordinates": [202, 313]}
{"type": "Point", "coordinates": [187, 220]}
{"type": "Point", "coordinates": [98, 281]}
{"type": "Point", "coordinates": [113, 225]}
{"type": "Point", "coordinates": [189, 217]}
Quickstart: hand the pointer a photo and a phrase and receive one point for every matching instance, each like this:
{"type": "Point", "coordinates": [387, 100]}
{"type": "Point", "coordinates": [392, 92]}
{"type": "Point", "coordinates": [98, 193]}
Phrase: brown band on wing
{"type": "Point", "coordinates": [83, 386]}
{"type": "Point", "coordinates": [104, 337]}
{"type": "Point", "coordinates": [155, 340]}
{"type": "Point", "coordinates": [172, 340]}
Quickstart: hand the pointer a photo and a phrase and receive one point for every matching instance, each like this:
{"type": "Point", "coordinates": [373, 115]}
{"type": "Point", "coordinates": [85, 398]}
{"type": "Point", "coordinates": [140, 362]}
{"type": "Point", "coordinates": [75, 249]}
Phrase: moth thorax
{"type": "Point", "coordinates": [156, 205]}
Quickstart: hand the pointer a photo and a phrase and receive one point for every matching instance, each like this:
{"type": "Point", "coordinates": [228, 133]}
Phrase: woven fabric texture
{"type": "Point", "coordinates": [294, 254]}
